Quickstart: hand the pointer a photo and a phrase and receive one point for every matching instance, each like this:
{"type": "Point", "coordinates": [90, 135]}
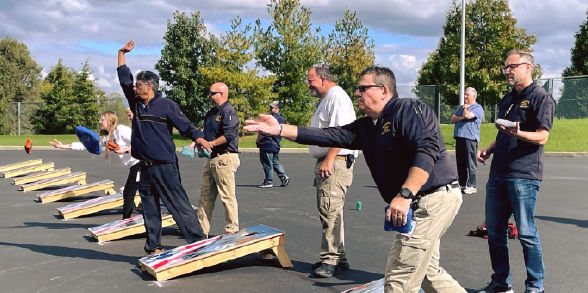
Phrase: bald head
{"type": "Point", "coordinates": [219, 93]}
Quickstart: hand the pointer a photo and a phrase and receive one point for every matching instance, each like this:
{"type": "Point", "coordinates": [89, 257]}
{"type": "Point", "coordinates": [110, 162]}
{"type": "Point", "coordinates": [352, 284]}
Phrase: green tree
{"type": "Point", "coordinates": [20, 78]}
{"type": "Point", "coordinates": [490, 34]}
{"type": "Point", "coordinates": [349, 51]}
{"type": "Point", "coordinates": [574, 99]}
{"type": "Point", "coordinates": [287, 49]}
{"type": "Point", "coordinates": [249, 92]}
{"type": "Point", "coordinates": [187, 48]}
{"type": "Point", "coordinates": [71, 99]}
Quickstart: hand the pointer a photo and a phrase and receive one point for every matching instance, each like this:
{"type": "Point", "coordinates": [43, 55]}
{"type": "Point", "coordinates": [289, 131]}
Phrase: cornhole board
{"type": "Point", "coordinates": [75, 190]}
{"type": "Point", "coordinates": [192, 257]}
{"type": "Point", "coordinates": [126, 227]}
{"type": "Point", "coordinates": [89, 139]}
{"type": "Point", "coordinates": [40, 176]}
{"type": "Point", "coordinates": [371, 287]}
{"type": "Point", "coordinates": [75, 177]}
{"type": "Point", "coordinates": [93, 205]}
{"type": "Point", "coordinates": [17, 165]}
{"type": "Point", "coordinates": [29, 169]}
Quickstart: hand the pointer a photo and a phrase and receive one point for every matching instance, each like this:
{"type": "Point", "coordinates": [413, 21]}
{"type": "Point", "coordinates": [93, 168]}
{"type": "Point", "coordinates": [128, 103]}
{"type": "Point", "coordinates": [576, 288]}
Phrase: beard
{"type": "Point", "coordinates": [313, 92]}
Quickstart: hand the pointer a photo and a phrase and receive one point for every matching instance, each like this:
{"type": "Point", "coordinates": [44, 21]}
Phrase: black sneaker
{"type": "Point", "coordinates": [324, 271]}
{"type": "Point", "coordinates": [285, 181]}
{"type": "Point", "coordinates": [340, 266]}
{"type": "Point", "coordinates": [266, 185]}
{"type": "Point", "coordinates": [494, 288]}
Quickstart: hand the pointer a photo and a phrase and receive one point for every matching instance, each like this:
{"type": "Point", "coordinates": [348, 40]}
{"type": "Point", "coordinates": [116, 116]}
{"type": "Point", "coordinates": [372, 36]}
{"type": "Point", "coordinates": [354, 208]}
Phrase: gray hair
{"type": "Point", "coordinates": [383, 76]}
{"type": "Point", "coordinates": [149, 77]}
{"type": "Point", "coordinates": [526, 56]}
{"type": "Point", "coordinates": [473, 90]}
{"type": "Point", "coordinates": [324, 72]}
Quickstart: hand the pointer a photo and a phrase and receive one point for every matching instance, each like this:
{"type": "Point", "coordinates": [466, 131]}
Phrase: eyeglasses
{"type": "Point", "coordinates": [511, 67]}
{"type": "Point", "coordinates": [363, 87]}
{"type": "Point", "coordinates": [211, 93]}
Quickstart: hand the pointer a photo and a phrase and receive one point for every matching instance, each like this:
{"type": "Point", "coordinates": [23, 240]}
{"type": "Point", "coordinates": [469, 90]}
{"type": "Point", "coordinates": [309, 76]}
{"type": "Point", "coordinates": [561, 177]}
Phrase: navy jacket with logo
{"type": "Point", "coordinates": [151, 139]}
{"type": "Point", "coordinates": [405, 135]}
{"type": "Point", "coordinates": [222, 121]}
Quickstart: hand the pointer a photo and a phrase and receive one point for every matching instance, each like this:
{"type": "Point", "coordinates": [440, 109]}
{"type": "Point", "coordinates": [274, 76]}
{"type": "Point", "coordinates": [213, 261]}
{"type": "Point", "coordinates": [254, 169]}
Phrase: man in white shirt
{"type": "Point", "coordinates": [333, 170]}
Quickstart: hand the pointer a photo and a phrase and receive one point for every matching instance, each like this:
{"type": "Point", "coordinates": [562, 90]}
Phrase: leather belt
{"type": "Point", "coordinates": [337, 157]}
{"type": "Point", "coordinates": [153, 163]}
{"type": "Point", "coordinates": [214, 155]}
{"type": "Point", "coordinates": [446, 187]}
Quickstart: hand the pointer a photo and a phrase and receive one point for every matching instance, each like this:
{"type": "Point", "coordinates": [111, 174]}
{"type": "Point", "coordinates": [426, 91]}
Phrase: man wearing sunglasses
{"type": "Point", "coordinates": [516, 173]}
{"type": "Point", "coordinates": [404, 150]}
{"type": "Point", "coordinates": [221, 130]}
{"type": "Point", "coordinates": [153, 118]}
{"type": "Point", "coordinates": [333, 170]}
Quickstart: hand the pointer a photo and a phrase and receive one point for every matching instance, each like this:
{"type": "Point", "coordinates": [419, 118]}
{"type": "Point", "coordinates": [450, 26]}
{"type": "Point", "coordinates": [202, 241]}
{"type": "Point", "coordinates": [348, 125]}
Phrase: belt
{"type": "Point", "coordinates": [446, 187]}
{"type": "Point", "coordinates": [338, 157]}
{"type": "Point", "coordinates": [153, 163]}
{"type": "Point", "coordinates": [214, 155]}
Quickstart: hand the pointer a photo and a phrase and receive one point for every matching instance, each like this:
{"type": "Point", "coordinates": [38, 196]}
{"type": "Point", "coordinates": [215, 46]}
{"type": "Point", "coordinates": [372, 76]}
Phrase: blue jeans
{"type": "Point", "coordinates": [506, 196]}
{"type": "Point", "coordinates": [270, 162]}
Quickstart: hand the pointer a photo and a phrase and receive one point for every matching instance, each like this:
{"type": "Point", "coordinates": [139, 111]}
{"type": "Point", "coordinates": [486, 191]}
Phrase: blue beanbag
{"type": "Point", "coordinates": [89, 139]}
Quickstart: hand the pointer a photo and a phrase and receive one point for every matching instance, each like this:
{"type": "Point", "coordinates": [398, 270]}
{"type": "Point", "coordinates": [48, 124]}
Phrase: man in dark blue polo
{"type": "Point", "coordinates": [154, 117]}
{"type": "Point", "coordinates": [516, 173]}
{"type": "Point", "coordinates": [467, 119]}
{"type": "Point", "coordinates": [221, 130]}
{"type": "Point", "coordinates": [269, 150]}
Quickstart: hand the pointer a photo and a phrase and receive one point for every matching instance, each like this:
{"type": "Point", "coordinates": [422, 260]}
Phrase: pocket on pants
{"type": "Point", "coordinates": [408, 253]}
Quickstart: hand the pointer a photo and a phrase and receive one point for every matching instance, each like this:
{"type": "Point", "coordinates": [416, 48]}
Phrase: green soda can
{"type": "Point", "coordinates": [359, 205]}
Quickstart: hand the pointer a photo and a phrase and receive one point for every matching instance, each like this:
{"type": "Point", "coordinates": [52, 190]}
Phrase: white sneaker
{"type": "Point", "coordinates": [470, 190]}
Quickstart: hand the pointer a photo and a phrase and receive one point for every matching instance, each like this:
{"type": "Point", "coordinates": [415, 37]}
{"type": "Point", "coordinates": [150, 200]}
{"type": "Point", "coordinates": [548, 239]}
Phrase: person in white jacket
{"type": "Point", "coordinates": [111, 131]}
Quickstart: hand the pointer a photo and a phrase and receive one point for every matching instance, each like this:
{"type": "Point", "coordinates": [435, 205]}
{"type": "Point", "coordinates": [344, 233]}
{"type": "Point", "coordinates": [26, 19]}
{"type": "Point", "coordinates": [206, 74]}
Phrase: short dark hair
{"type": "Point", "coordinates": [383, 76]}
{"type": "Point", "coordinates": [149, 77]}
{"type": "Point", "coordinates": [324, 72]}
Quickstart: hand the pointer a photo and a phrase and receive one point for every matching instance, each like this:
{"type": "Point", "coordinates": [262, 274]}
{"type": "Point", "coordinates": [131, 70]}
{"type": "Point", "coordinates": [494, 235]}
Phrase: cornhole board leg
{"type": "Point", "coordinates": [18, 165]}
{"type": "Point", "coordinates": [190, 258]}
{"type": "Point", "coordinates": [30, 169]}
{"type": "Point", "coordinates": [41, 176]}
{"type": "Point", "coordinates": [127, 227]}
{"type": "Point", "coordinates": [93, 208]}
{"type": "Point", "coordinates": [78, 177]}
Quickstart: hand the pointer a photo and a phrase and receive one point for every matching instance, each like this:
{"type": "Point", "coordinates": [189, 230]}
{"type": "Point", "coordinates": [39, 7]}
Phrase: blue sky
{"type": "Point", "coordinates": [405, 32]}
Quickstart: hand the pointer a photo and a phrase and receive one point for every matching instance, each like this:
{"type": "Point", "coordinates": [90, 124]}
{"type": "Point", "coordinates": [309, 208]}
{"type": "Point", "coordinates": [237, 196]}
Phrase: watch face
{"type": "Point", "coordinates": [406, 193]}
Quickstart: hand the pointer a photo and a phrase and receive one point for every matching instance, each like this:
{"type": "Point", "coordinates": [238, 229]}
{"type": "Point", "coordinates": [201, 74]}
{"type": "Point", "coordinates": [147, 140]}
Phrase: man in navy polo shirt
{"type": "Point", "coordinates": [467, 119]}
{"type": "Point", "coordinates": [516, 173]}
{"type": "Point", "coordinates": [269, 150]}
{"type": "Point", "coordinates": [153, 119]}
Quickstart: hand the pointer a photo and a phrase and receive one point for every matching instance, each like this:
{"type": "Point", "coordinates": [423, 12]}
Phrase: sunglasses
{"type": "Point", "coordinates": [211, 93]}
{"type": "Point", "coordinates": [362, 88]}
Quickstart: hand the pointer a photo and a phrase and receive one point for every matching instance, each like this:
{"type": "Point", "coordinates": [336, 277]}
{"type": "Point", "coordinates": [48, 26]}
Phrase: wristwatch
{"type": "Point", "coordinates": [406, 193]}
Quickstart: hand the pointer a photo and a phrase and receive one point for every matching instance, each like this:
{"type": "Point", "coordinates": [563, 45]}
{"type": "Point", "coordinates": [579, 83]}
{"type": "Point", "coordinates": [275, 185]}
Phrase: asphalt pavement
{"type": "Point", "coordinates": [40, 252]}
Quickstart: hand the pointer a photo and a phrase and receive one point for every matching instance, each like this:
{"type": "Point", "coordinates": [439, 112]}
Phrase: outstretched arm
{"type": "Point", "coordinates": [269, 125]}
{"type": "Point", "coordinates": [122, 51]}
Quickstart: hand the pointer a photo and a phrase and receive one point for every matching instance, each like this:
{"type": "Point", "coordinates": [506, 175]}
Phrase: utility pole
{"type": "Point", "coordinates": [462, 61]}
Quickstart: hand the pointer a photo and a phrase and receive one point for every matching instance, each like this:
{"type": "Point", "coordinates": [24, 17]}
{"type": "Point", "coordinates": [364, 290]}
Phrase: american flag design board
{"type": "Point", "coordinates": [371, 287]}
{"type": "Point", "coordinates": [89, 203]}
{"type": "Point", "coordinates": [68, 188]}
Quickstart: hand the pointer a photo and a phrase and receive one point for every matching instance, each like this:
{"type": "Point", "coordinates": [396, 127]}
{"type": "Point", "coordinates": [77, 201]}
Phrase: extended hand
{"type": "Point", "coordinates": [56, 143]}
{"type": "Point", "coordinates": [128, 47]}
{"type": "Point", "coordinates": [268, 125]}
{"type": "Point", "coordinates": [202, 143]}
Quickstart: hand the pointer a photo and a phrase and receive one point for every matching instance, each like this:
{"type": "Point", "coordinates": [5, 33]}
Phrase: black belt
{"type": "Point", "coordinates": [446, 187]}
{"type": "Point", "coordinates": [214, 155]}
{"type": "Point", "coordinates": [153, 163]}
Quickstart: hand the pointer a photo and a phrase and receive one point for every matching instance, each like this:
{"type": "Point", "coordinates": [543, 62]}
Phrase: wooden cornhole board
{"type": "Point", "coordinates": [40, 176]}
{"type": "Point", "coordinates": [29, 169]}
{"type": "Point", "coordinates": [371, 287]}
{"type": "Point", "coordinates": [17, 165]}
{"type": "Point", "coordinates": [75, 177]}
{"type": "Point", "coordinates": [93, 205]}
{"type": "Point", "coordinates": [192, 257]}
{"type": "Point", "coordinates": [127, 227]}
{"type": "Point", "coordinates": [75, 190]}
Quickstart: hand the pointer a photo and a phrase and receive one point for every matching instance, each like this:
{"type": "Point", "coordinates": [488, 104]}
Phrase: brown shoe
{"type": "Point", "coordinates": [156, 251]}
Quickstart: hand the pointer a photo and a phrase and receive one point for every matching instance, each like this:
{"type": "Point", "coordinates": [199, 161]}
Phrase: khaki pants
{"type": "Point", "coordinates": [330, 198]}
{"type": "Point", "coordinates": [218, 178]}
{"type": "Point", "coordinates": [414, 260]}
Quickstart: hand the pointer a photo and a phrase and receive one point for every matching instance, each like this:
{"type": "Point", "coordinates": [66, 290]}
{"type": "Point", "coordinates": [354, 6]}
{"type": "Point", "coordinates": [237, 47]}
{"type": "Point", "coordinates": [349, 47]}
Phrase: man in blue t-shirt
{"type": "Point", "coordinates": [269, 149]}
{"type": "Point", "coordinates": [467, 119]}
{"type": "Point", "coordinates": [516, 173]}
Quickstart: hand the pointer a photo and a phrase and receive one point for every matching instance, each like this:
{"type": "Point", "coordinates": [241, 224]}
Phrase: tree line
{"type": "Point", "coordinates": [265, 63]}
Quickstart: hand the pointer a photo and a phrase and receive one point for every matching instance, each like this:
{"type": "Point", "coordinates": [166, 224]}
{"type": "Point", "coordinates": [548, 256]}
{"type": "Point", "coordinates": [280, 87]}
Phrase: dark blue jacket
{"type": "Point", "coordinates": [271, 143]}
{"type": "Point", "coordinates": [222, 121]}
{"type": "Point", "coordinates": [406, 134]}
{"type": "Point", "coordinates": [151, 139]}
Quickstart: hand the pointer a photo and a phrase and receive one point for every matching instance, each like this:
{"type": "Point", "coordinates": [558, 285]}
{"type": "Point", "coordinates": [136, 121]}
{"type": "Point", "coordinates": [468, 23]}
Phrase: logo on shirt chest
{"type": "Point", "coordinates": [524, 104]}
{"type": "Point", "coordinates": [385, 128]}
{"type": "Point", "coordinates": [217, 118]}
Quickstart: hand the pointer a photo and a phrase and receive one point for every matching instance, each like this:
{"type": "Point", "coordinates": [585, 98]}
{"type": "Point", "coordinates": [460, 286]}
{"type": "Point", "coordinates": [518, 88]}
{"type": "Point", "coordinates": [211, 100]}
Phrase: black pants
{"type": "Point", "coordinates": [131, 188]}
{"type": "Point", "coordinates": [162, 181]}
{"type": "Point", "coordinates": [465, 156]}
